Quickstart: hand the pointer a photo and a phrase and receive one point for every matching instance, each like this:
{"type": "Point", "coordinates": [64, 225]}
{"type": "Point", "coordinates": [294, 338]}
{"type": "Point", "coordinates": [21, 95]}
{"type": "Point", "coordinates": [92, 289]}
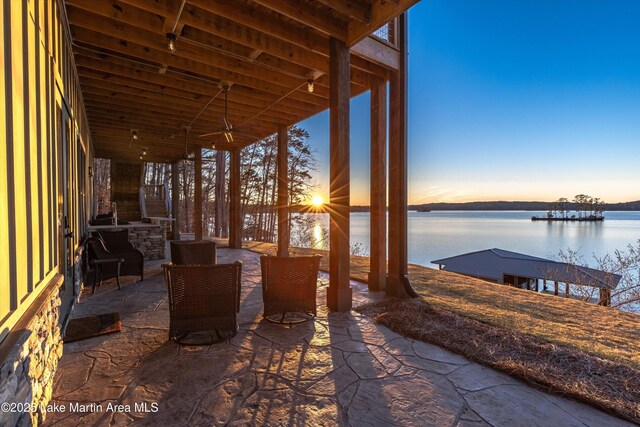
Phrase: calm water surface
{"type": "Point", "coordinates": [440, 234]}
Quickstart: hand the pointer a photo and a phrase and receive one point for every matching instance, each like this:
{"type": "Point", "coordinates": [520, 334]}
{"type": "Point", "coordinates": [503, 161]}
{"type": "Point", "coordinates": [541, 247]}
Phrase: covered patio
{"type": "Point", "coordinates": [162, 81]}
{"type": "Point", "coordinates": [340, 369]}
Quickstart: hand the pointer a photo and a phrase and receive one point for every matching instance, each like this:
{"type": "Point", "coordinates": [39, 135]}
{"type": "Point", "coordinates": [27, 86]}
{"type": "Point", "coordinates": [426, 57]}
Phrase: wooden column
{"type": "Point", "coordinates": [339, 292]}
{"type": "Point", "coordinates": [218, 211]}
{"type": "Point", "coordinates": [555, 288]}
{"type": "Point", "coordinates": [604, 297]}
{"type": "Point", "coordinates": [566, 292]}
{"type": "Point", "coordinates": [175, 200]}
{"type": "Point", "coordinates": [235, 220]}
{"type": "Point", "coordinates": [197, 194]}
{"type": "Point", "coordinates": [398, 282]}
{"type": "Point", "coordinates": [378, 198]}
{"type": "Point", "coordinates": [283, 192]}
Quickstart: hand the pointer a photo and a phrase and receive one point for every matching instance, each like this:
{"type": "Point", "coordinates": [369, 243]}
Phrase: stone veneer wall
{"type": "Point", "coordinates": [149, 239]}
{"type": "Point", "coordinates": [27, 373]}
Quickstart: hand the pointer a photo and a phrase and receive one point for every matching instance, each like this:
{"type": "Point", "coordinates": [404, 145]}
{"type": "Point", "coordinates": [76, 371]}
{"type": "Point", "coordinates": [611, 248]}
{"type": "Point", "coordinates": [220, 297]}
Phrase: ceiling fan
{"type": "Point", "coordinates": [227, 131]}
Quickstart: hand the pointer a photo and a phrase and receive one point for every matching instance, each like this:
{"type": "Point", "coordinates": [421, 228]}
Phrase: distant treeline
{"type": "Point", "coordinates": [489, 206]}
{"type": "Point", "coordinates": [515, 206]}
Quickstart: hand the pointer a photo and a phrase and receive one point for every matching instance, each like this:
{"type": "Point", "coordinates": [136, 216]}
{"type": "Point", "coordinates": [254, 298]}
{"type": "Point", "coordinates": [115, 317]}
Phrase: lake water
{"type": "Point", "coordinates": [440, 234]}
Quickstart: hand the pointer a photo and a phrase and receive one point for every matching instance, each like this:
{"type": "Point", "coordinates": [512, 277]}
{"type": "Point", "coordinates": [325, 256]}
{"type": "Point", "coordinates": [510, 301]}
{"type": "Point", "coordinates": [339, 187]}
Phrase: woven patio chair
{"type": "Point", "coordinates": [203, 302]}
{"type": "Point", "coordinates": [106, 265]}
{"type": "Point", "coordinates": [202, 252]}
{"type": "Point", "coordinates": [289, 287]}
{"type": "Point", "coordinates": [117, 242]}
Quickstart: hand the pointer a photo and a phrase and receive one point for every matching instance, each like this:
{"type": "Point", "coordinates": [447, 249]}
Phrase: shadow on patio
{"type": "Point", "coordinates": [340, 369]}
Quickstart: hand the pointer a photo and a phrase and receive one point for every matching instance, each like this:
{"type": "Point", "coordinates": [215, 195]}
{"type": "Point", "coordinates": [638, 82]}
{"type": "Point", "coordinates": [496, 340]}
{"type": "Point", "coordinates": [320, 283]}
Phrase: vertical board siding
{"type": "Point", "coordinates": [30, 143]}
{"type": "Point", "coordinates": [37, 73]}
{"type": "Point", "coordinates": [16, 144]}
{"type": "Point", "coordinates": [5, 296]}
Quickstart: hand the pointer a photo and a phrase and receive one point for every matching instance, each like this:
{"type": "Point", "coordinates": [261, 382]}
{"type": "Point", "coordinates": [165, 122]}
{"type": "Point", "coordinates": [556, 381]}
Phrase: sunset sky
{"type": "Point", "coordinates": [512, 100]}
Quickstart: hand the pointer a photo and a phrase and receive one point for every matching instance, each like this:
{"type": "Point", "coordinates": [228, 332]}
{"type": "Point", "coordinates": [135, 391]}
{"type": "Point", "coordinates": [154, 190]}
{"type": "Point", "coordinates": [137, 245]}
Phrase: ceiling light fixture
{"type": "Point", "coordinates": [228, 136]}
{"type": "Point", "coordinates": [171, 42]}
{"type": "Point", "coordinates": [134, 134]}
{"type": "Point", "coordinates": [310, 86]}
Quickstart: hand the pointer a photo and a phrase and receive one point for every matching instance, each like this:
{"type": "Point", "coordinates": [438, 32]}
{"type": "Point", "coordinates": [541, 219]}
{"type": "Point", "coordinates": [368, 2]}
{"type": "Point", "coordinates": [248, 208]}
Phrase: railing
{"type": "Point", "coordinates": [155, 192]}
{"type": "Point", "coordinates": [167, 199]}
{"type": "Point", "coordinates": [143, 206]}
{"type": "Point", "coordinates": [387, 33]}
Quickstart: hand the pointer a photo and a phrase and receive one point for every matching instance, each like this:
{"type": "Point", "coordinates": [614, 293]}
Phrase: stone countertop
{"type": "Point", "coordinates": [130, 225]}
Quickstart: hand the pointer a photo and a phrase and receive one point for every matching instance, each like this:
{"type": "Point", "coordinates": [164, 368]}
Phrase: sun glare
{"type": "Point", "coordinates": [317, 201]}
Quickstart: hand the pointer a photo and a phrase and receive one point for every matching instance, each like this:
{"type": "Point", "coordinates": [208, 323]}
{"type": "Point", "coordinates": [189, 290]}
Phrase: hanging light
{"type": "Point", "coordinates": [171, 42]}
{"type": "Point", "coordinates": [228, 136]}
{"type": "Point", "coordinates": [144, 152]}
{"type": "Point", "coordinates": [310, 85]}
{"type": "Point", "coordinates": [134, 134]}
{"type": "Point", "coordinates": [140, 156]}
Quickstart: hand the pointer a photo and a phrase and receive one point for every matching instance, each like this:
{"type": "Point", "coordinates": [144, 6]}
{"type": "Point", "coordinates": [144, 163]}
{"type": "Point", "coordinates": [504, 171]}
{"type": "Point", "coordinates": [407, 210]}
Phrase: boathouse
{"type": "Point", "coordinates": [526, 271]}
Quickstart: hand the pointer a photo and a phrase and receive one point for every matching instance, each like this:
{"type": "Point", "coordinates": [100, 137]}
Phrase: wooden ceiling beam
{"type": "Point", "coordinates": [156, 145]}
{"type": "Point", "coordinates": [148, 109]}
{"type": "Point", "coordinates": [310, 15]}
{"type": "Point", "coordinates": [382, 11]}
{"type": "Point", "coordinates": [214, 106]}
{"type": "Point", "coordinates": [134, 50]}
{"type": "Point", "coordinates": [354, 9]}
{"type": "Point", "coordinates": [378, 52]}
{"type": "Point", "coordinates": [85, 29]}
{"type": "Point", "coordinates": [244, 24]}
{"type": "Point", "coordinates": [252, 16]}
{"type": "Point", "coordinates": [109, 81]}
{"type": "Point", "coordinates": [211, 114]}
{"type": "Point", "coordinates": [90, 60]}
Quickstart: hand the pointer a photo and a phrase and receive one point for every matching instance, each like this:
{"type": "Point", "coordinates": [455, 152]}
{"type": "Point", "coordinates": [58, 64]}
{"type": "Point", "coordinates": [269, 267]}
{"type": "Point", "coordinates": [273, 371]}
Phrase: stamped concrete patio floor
{"type": "Point", "coordinates": [341, 369]}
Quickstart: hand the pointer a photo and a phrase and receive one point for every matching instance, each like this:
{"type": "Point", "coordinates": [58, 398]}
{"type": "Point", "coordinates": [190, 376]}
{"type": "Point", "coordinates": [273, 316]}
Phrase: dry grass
{"type": "Point", "coordinates": [610, 386]}
{"type": "Point", "coordinates": [604, 332]}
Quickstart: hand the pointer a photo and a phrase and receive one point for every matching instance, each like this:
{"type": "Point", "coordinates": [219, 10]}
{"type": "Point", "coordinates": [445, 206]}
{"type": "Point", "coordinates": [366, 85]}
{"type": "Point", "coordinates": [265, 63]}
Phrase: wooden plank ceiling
{"type": "Point", "coordinates": [266, 50]}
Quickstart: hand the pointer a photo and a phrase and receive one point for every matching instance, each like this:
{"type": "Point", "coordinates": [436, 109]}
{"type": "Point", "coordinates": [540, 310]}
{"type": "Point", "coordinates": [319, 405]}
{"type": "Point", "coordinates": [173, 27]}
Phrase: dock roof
{"type": "Point", "coordinates": [495, 263]}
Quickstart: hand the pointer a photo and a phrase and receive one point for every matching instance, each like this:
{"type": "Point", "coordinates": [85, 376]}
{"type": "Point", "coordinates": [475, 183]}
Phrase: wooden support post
{"type": "Point", "coordinates": [398, 259]}
{"type": "Point", "coordinates": [604, 297]}
{"type": "Point", "coordinates": [378, 198]}
{"type": "Point", "coordinates": [218, 210]}
{"type": "Point", "coordinates": [339, 292]}
{"type": "Point", "coordinates": [545, 285]}
{"type": "Point", "coordinates": [175, 200]}
{"type": "Point", "coordinates": [566, 292]}
{"type": "Point", "coordinates": [555, 288]}
{"type": "Point", "coordinates": [197, 194]}
{"type": "Point", "coordinates": [235, 220]}
{"type": "Point", "coordinates": [283, 192]}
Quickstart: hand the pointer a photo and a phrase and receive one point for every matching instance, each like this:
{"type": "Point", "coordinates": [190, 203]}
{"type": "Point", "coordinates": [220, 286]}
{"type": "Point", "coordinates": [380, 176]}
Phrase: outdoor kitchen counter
{"type": "Point", "coordinates": [148, 238]}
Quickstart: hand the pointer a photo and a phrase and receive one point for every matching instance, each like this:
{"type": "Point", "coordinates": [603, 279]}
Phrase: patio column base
{"type": "Point", "coordinates": [376, 282]}
{"type": "Point", "coordinates": [339, 299]}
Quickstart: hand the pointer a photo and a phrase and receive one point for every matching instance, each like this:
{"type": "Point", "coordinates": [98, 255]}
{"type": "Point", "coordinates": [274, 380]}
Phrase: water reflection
{"type": "Point", "coordinates": [440, 234]}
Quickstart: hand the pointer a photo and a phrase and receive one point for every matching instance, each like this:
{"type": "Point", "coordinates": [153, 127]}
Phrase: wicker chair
{"type": "Point", "coordinates": [202, 252]}
{"type": "Point", "coordinates": [118, 242]}
{"type": "Point", "coordinates": [289, 287]}
{"type": "Point", "coordinates": [203, 302]}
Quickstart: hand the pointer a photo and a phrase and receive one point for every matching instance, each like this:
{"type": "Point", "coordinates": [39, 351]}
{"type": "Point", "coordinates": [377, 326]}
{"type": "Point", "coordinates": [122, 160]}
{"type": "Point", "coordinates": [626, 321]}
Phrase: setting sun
{"type": "Point", "coordinates": [317, 201]}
